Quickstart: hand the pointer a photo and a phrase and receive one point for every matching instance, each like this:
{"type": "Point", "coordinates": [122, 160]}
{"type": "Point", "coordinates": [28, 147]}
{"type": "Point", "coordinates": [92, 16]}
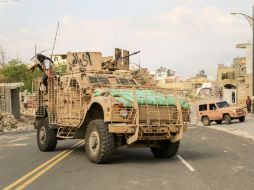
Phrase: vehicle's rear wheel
{"type": "Point", "coordinates": [99, 144]}
{"type": "Point", "coordinates": [227, 119]}
{"type": "Point", "coordinates": [206, 121]}
{"type": "Point", "coordinates": [46, 137]}
{"type": "Point", "coordinates": [242, 118]}
{"type": "Point", "coordinates": [218, 121]}
{"type": "Point", "coordinates": [167, 149]}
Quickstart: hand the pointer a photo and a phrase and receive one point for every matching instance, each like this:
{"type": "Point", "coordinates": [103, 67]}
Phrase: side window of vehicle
{"type": "Point", "coordinates": [212, 107]}
{"type": "Point", "coordinates": [203, 107]}
{"type": "Point", "coordinates": [93, 80]}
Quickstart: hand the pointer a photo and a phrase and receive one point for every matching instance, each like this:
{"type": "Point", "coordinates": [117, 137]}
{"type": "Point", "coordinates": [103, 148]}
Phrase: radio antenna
{"type": "Point", "coordinates": [55, 39]}
{"type": "Point", "coordinates": [35, 49]}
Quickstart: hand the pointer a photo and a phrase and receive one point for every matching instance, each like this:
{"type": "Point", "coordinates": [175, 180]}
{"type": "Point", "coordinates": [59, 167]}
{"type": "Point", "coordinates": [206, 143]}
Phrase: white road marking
{"type": "Point", "coordinates": [13, 145]}
{"type": "Point", "coordinates": [16, 135]}
{"type": "Point", "coordinates": [186, 163]}
{"type": "Point", "coordinates": [20, 139]}
{"type": "Point", "coordinates": [30, 135]}
{"type": "Point", "coordinates": [21, 144]}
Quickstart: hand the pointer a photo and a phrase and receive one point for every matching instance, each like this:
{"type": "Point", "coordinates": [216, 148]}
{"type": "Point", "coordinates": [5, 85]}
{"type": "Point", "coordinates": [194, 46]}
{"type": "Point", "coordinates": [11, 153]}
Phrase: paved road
{"type": "Point", "coordinates": [208, 159]}
{"type": "Point", "coordinates": [245, 129]}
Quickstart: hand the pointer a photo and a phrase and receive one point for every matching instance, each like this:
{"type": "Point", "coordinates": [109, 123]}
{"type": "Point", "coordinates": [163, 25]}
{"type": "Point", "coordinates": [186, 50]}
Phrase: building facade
{"type": "Point", "coordinates": [236, 79]}
{"type": "Point", "coordinates": [9, 98]}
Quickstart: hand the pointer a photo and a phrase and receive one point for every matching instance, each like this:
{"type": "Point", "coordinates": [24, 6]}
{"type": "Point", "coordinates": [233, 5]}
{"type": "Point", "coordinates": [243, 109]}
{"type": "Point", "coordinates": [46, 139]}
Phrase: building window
{"type": "Point", "coordinates": [229, 75]}
{"type": "Point", "coordinates": [55, 59]}
{"type": "Point", "coordinates": [233, 97]}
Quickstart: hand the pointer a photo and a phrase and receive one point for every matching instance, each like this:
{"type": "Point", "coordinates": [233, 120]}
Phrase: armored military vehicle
{"type": "Point", "coordinates": [100, 100]}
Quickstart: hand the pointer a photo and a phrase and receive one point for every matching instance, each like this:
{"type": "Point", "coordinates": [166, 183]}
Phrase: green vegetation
{"type": "Point", "coordinates": [16, 71]}
{"type": "Point", "coordinates": [60, 69]}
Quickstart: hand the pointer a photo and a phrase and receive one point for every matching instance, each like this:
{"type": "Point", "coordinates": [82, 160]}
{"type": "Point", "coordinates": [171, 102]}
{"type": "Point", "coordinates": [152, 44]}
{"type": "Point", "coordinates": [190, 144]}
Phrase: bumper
{"type": "Point", "coordinates": [144, 132]}
{"type": "Point", "coordinates": [237, 115]}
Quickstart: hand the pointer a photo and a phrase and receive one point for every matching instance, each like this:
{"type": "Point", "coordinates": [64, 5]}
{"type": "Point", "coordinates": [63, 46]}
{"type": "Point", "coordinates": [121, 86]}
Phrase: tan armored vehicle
{"type": "Point", "coordinates": [100, 100]}
{"type": "Point", "coordinates": [218, 111]}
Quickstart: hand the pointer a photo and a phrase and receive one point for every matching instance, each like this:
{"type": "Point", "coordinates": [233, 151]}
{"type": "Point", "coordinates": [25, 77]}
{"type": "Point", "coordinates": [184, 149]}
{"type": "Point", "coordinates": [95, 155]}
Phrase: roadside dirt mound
{"type": "Point", "coordinates": [9, 123]}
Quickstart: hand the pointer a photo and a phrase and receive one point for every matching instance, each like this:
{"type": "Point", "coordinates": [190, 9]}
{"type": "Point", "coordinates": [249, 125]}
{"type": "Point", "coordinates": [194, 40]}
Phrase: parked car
{"type": "Point", "coordinates": [219, 111]}
{"type": "Point", "coordinates": [28, 104]}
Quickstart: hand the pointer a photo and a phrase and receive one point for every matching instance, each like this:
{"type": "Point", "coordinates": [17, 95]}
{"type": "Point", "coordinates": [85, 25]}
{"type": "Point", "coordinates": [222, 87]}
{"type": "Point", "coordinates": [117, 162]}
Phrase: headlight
{"type": "Point", "coordinates": [123, 113]}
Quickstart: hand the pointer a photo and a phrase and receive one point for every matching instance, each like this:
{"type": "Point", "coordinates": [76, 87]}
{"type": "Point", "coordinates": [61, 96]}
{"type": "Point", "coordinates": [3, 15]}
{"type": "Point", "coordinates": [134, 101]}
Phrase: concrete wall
{"type": "Point", "coordinates": [2, 99]}
{"type": "Point", "coordinates": [9, 100]}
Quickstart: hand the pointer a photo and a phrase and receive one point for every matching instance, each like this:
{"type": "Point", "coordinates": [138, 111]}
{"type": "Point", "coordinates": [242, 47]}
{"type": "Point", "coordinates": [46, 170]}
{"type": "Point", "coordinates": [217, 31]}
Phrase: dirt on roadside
{"type": "Point", "coordinates": [9, 123]}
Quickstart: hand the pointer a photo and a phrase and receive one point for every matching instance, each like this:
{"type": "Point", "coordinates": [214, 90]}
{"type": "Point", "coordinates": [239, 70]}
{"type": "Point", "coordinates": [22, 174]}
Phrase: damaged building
{"type": "Point", "coordinates": [9, 98]}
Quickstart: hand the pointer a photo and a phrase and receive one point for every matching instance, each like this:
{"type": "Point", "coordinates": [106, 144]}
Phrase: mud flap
{"type": "Point", "coordinates": [179, 136]}
{"type": "Point", "coordinates": [134, 137]}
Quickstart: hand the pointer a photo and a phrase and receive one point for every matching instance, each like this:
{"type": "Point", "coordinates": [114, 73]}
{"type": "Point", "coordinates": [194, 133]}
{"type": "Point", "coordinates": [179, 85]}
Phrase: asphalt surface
{"type": "Point", "coordinates": [207, 159]}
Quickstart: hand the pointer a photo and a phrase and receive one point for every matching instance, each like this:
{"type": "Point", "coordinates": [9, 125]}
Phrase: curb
{"type": "Point", "coordinates": [238, 133]}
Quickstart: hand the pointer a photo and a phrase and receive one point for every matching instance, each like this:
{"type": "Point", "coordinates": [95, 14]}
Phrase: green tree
{"type": "Point", "coordinates": [60, 69]}
{"type": "Point", "coordinates": [170, 73]}
{"type": "Point", "coordinates": [16, 71]}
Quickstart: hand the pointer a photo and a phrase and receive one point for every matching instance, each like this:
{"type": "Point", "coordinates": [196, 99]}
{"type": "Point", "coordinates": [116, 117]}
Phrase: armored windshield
{"type": "Point", "coordinates": [111, 80]}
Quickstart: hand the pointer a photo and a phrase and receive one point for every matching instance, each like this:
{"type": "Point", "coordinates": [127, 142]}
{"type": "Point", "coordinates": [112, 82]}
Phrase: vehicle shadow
{"type": "Point", "coordinates": [144, 155]}
{"type": "Point", "coordinates": [130, 155]}
{"type": "Point", "coordinates": [139, 155]}
{"type": "Point", "coordinates": [194, 155]}
{"type": "Point", "coordinates": [65, 145]}
{"type": "Point", "coordinates": [233, 122]}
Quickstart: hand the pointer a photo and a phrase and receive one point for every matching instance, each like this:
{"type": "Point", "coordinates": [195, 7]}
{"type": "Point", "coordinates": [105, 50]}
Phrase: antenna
{"type": "Point", "coordinates": [35, 49]}
{"type": "Point", "coordinates": [55, 39]}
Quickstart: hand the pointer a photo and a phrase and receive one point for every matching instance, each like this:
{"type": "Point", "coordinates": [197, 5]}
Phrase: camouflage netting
{"type": "Point", "coordinates": [150, 97]}
{"type": "Point", "coordinates": [7, 121]}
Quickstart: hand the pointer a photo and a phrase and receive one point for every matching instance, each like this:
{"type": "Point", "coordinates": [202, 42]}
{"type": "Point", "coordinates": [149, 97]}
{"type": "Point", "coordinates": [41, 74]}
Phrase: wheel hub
{"type": "Point", "coordinates": [42, 135]}
{"type": "Point", "coordinates": [94, 142]}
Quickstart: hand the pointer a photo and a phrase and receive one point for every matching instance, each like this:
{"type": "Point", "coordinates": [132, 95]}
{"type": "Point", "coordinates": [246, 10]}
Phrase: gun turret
{"type": "Point", "coordinates": [121, 61]}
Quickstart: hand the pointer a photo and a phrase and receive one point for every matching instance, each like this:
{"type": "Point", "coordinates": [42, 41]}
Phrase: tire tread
{"type": "Point", "coordinates": [51, 139]}
{"type": "Point", "coordinates": [107, 142]}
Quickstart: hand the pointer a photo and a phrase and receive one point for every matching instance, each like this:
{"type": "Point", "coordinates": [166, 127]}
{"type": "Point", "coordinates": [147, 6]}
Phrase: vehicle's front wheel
{"type": "Point", "coordinates": [167, 149]}
{"type": "Point", "coordinates": [206, 121]}
{"type": "Point", "coordinates": [99, 144]}
{"type": "Point", "coordinates": [227, 119]}
{"type": "Point", "coordinates": [46, 137]}
{"type": "Point", "coordinates": [242, 118]}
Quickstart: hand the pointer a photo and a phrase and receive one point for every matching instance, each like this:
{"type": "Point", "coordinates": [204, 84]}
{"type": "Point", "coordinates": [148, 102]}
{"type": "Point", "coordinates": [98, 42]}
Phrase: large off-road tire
{"type": "Point", "coordinates": [218, 121]}
{"type": "Point", "coordinates": [46, 137]}
{"type": "Point", "coordinates": [227, 119]}
{"type": "Point", "coordinates": [99, 143]}
{"type": "Point", "coordinates": [206, 121]}
{"type": "Point", "coordinates": [167, 149]}
{"type": "Point", "coordinates": [242, 118]}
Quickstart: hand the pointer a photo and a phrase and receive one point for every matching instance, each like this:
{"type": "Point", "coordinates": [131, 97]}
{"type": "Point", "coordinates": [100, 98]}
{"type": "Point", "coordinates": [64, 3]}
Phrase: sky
{"type": "Point", "coordinates": [183, 35]}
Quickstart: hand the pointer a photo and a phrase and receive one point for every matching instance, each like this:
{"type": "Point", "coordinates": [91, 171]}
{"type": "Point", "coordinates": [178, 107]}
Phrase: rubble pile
{"type": "Point", "coordinates": [7, 121]}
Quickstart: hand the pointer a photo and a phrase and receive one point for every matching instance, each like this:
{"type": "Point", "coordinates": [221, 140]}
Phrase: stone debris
{"type": "Point", "coordinates": [8, 122]}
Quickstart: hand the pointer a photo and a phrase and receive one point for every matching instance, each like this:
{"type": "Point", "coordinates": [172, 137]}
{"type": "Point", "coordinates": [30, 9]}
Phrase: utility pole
{"type": "Point", "coordinates": [251, 22]}
{"type": "Point", "coordinates": [252, 61]}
